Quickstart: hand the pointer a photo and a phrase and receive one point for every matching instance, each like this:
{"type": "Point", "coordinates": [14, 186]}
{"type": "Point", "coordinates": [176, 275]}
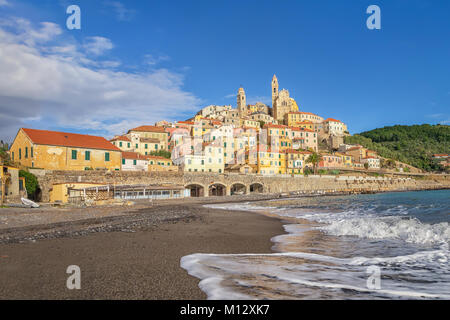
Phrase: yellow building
{"type": "Point", "coordinates": [305, 124]}
{"type": "Point", "coordinates": [278, 137]}
{"type": "Point", "coordinates": [152, 132]}
{"type": "Point", "coordinates": [249, 123]}
{"type": "Point", "coordinates": [270, 162]}
{"type": "Point", "coordinates": [292, 118]}
{"type": "Point", "coordinates": [60, 191]}
{"type": "Point", "coordinates": [156, 163]}
{"type": "Point", "coordinates": [11, 185]}
{"type": "Point", "coordinates": [347, 160]}
{"type": "Point", "coordinates": [296, 160]}
{"type": "Point", "coordinates": [54, 150]}
{"type": "Point", "coordinates": [122, 142]}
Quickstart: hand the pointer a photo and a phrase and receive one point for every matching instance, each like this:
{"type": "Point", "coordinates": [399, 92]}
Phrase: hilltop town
{"type": "Point", "coordinates": [252, 139]}
{"type": "Point", "coordinates": [258, 138]}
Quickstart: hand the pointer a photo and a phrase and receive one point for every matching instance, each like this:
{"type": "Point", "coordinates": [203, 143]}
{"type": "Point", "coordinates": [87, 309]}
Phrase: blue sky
{"type": "Point", "coordinates": [135, 62]}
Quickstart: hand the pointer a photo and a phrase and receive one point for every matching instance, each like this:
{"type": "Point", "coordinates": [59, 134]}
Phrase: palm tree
{"type": "Point", "coordinates": [314, 159]}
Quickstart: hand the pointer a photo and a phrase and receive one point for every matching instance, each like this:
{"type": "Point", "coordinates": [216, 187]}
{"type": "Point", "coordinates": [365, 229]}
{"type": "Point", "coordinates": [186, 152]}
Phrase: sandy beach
{"type": "Point", "coordinates": [126, 256]}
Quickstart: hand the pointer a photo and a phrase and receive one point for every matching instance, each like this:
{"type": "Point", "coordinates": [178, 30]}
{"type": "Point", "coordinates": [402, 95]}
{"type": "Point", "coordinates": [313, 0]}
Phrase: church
{"type": "Point", "coordinates": [282, 103]}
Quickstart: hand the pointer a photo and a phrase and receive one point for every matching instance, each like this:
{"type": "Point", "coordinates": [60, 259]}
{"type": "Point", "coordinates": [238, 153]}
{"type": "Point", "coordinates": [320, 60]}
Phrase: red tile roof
{"type": "Point", "coordinates": [149, 129]}
{"type": "Point", "coordinates": [56, 138]}
{"type": "Point", "coordinates": [120, 138]}
{"type": "Point", "coordinates": [131, 155]}
{"type": "Point", "coordinates": [331, 119]}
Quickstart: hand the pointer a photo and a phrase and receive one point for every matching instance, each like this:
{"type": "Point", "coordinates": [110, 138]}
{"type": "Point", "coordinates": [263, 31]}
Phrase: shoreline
{"type": "Point", "coordinates": [142, 262]}
{"type": "Point", "coordinates": [136, 254]}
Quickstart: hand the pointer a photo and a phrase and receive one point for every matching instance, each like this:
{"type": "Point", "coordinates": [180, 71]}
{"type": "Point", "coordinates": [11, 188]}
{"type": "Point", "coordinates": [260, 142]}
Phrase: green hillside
{"type": "Point", "coordinates": [413, 145]}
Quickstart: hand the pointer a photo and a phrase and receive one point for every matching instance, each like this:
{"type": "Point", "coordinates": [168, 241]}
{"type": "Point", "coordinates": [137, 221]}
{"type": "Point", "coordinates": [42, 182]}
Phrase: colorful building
{"type": "Point", "coordinates": [55, 150]}
{"type": "Point", "coordinates": [133, 161]}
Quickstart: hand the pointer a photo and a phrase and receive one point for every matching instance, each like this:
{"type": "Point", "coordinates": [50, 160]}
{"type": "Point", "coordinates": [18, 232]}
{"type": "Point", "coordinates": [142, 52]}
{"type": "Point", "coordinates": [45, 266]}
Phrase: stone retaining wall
{"type": "Point", "coordinates": [270, 184]}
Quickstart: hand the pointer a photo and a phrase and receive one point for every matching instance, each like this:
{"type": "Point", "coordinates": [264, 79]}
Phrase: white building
{"type": "Point", "coordinates": [133, 161]}
{"type": "Point", "coordinates": [373, 163]}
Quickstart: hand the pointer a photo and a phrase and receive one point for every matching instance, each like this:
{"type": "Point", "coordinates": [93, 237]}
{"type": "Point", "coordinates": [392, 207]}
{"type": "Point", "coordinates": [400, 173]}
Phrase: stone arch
{"type": "Point", "coordinates": [196, 190]}
{"type": "Point", "coordinates": [256, 187]}
{"type": "Point", "coordinates": [217, 189]}
{"type": "Point", "coordinates": [238, 188]}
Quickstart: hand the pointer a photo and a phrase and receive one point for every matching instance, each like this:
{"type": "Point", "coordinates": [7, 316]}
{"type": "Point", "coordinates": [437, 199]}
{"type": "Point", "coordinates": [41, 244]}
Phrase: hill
{"type": "Point", "coordinates": [413, 145]}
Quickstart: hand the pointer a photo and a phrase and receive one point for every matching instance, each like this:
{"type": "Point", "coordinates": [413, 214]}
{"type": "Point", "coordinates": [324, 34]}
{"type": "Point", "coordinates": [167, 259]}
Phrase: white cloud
{"type": "Point", "coordinates": [97, 45]}
{"type": "Point", "coordinates": [4, 3]}
{"type": "Point", "coordinates": [59, 85]}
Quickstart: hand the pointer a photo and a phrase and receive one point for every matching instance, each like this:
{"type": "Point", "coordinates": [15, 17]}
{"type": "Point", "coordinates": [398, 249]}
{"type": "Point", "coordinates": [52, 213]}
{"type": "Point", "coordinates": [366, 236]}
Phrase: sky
{"type": "Point", "coordinates": [135, 62]}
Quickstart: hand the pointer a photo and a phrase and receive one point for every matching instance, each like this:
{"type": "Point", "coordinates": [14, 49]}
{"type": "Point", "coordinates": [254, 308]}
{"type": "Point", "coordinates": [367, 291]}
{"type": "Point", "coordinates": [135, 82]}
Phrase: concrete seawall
{"type": "Point", "coordinates": [247, 183]}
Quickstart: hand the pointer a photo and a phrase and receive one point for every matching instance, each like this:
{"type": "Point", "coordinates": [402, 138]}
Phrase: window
{"type": "Point", "coordinates": [156, 147]}
{"type": "Point", "coordinates": [123, 161]}
{"type": "Point", "coordinates": [12, 154]}
{"type": "Point", "coordinates": [129, 144]}
{"type": "Point", "coordinates": [26, 152]}
{"type": "Point", "coordinates": [120, 143]}
{"type": "Point", "coordinates": [20, 153]}
{"type": "Point", "coordinates": [74, 154]}
{"type": "Point", "coordinates": [31, 149]}
{"type": "Point", "coordinates": [136, 145]}
{"type": "Point", "coordinates": [134, 162]}
{"type": "Point", "coordinates": [87, 155]}
{"type": "Point", "coordinates": [146, 146]}
{"type": "Point", "coordinates": [106, 156]}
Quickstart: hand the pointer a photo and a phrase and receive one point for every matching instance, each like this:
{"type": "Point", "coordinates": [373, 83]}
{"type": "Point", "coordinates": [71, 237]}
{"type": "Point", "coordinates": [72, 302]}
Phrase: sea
{"type": "Point", "coordinates": [367, 246]}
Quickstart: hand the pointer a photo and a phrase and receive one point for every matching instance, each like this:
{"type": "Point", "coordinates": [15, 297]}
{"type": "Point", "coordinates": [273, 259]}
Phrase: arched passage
{"type": "Point", "coordinates": [238, 189]}
{"type": "Point", "coordinates": [217, 189]}
{"type": "Point", "coordinates": [256, 188]}
{"type": "Point", "coordinates": [196, 190]}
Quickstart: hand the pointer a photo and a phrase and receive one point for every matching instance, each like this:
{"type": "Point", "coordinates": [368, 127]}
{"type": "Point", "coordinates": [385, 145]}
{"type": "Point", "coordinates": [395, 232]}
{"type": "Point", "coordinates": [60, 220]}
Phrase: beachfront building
{"type": "Point", "coordinates": [209, 159]}
{"type": "Point", "coordinates": [331, 161]}
{"type": "Point", "coordinates": [55, 150]}
{"type": "Point", "coordinates": [133, 161]}
{"type": "Point", "coordinates": [270, 162]}
{"type": "Point", "coordinates": [296, 160]}
{"type": "Point", "coordinates": [12, 187]}
{"type": "Point", "coordinates": [157, 163]}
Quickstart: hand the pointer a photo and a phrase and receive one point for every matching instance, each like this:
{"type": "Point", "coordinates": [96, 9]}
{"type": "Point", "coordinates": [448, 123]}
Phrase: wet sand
{"type": "Point", "coordinates": [141, 264]}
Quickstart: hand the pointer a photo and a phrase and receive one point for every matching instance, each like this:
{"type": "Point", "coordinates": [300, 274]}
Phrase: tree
{"type": "Point", "coordinates": [314, 159]}
{"type": "Point", "coordinates": [161, 153]}
{"type": "Point", "coordinates": [31, 183]}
